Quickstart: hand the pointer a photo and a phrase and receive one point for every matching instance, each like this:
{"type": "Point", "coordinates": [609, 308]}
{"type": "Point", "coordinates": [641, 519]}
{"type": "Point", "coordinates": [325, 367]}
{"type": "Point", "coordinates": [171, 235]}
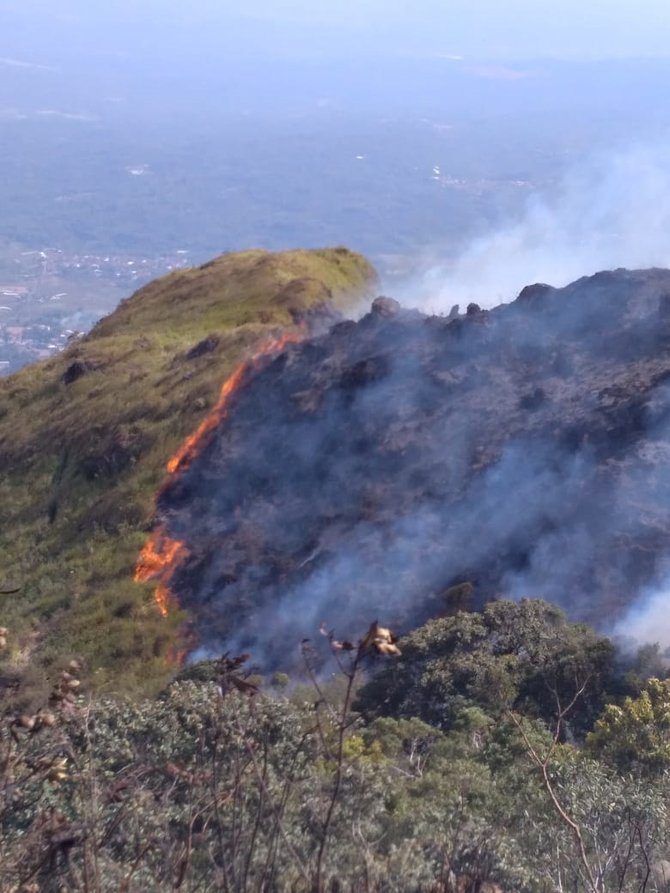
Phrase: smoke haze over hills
{"type": "Point", "coordinates": [153, 127]}
{"type": "Point", "coordinates": [519, 28]}
{"type": "Point", "coordinates": [611, 211]}
{"type": "Point", "coordinates": [367, 471]}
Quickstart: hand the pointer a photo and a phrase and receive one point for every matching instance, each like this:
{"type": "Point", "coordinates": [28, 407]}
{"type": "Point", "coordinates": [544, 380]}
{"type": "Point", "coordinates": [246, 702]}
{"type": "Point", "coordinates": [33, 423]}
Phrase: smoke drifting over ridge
{"type": "Point", "coordinates": [364, 472]}
{"type": "Point", "coordinates": [647, 621]}
{"type": "Point", "coordinates": [612, 211]}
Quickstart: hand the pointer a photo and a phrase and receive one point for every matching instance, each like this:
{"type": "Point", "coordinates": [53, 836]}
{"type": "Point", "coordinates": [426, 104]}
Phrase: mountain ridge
{"type": "Point", "coordinates": [84, 438]}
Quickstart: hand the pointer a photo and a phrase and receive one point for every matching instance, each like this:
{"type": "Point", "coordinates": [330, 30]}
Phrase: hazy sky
{"type": "Point", "coordinates": [507, 28]}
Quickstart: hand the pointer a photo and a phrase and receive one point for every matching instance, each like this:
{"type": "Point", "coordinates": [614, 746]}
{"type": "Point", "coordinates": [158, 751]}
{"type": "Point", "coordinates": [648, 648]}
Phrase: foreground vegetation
{"type": "Point", "coordinates": [84, 438]}
{"type": "Point", "coordinates": [502, 750]}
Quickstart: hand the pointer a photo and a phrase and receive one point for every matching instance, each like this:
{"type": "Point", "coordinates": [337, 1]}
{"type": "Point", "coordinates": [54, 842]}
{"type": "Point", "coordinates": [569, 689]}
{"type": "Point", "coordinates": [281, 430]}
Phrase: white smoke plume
{"type": "Point", "coordinates": [527, 450]}
{"type": "Point", "coordinates": [648, 621]}
{"type": "Point", "coordinates": [612, 211]}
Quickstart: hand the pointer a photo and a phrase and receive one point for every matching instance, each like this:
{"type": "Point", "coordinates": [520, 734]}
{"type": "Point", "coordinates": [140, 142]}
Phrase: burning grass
{"type": "Point", "coordinates": [161, 555]}
{"type": "Point", "coordinates": [71, 522]}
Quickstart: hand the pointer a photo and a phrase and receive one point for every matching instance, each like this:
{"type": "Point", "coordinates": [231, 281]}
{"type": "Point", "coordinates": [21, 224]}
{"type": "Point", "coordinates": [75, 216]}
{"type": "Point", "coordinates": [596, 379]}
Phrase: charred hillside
{"type": "Point", "coordinates": [85, 436]}
{"type": "Point", "coordinates": [367, 471]}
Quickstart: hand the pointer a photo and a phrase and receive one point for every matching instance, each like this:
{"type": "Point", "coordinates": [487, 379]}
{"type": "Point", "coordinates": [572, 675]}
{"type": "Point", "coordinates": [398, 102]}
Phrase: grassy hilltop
{"type": "Point", "coordinates": [84, 438]}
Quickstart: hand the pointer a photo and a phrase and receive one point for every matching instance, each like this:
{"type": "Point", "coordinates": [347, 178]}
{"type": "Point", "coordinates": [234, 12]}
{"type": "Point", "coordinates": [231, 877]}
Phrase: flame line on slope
{"type": "Point", "coordinates": [192, 446]}
{"type": "Point", "coordinates": [161, 555]}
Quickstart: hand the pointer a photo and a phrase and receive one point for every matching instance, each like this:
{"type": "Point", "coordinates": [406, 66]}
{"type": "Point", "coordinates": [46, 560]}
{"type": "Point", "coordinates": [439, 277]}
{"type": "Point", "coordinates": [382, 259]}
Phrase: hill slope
{"type": "Point", "coordinates": [371, 469]}
{"type": "Point", "coordinates": [84, 438]}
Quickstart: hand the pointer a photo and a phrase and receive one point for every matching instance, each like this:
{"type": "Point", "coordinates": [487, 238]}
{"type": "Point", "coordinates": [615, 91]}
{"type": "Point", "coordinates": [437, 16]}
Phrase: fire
{"type": "Point", "coordinates": [193, 443]}
{"type": "Point", "coordinates": [158, 560]}
{"type": "Point", "coordinates": [191, 446]}
{"type": "Point", "coordinates": [161, 555]}
{"type": "Point", "coordinates": [162, 598]}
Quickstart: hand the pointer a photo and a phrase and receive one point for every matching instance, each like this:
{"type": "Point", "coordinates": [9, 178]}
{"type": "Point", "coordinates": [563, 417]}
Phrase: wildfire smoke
{"type": "Point", "coordinates": [161, 555]}
{"type": "Point", "coordinates": [192, 446]}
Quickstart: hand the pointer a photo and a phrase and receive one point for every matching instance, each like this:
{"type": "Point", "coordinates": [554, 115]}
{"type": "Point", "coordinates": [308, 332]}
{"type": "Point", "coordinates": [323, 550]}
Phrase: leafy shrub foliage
{"type": "Point", "coordinates": [521, 655]}
{"type": "Point", "coordinates": [220, 784]}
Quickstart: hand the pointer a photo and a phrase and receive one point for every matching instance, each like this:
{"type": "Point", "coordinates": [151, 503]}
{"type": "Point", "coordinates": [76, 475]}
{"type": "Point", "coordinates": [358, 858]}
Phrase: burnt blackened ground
{"type": "Point", "coordinates": [363, 472]}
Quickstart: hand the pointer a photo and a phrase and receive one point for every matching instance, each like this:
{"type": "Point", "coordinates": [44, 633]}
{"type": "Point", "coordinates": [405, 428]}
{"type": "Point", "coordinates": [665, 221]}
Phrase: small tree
{"type": "Point", "coordinates": [636, 735]}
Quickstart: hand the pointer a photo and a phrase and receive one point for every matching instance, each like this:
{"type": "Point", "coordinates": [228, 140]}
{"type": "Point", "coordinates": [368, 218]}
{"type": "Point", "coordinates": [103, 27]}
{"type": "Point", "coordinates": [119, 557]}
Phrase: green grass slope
{"type": "Point", "coordinates": [84, 438]}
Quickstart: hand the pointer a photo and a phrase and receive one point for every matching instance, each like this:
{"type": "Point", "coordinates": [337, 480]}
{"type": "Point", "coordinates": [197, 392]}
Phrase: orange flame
{"type": "Point", "coordinates": [162, 598]}
{"type": "Point", "coordinates": [158, 560]}
{"type": "Point", "coordinates": [192, 446]}
{"type": "Point", "coordinates": [158, 553]}
{"type": "Point", "coordinates": [161, 555]}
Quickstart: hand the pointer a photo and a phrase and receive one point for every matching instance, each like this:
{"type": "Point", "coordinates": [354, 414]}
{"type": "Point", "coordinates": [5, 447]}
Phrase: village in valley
{"type": "Point", "coordinates": [49, 297]}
